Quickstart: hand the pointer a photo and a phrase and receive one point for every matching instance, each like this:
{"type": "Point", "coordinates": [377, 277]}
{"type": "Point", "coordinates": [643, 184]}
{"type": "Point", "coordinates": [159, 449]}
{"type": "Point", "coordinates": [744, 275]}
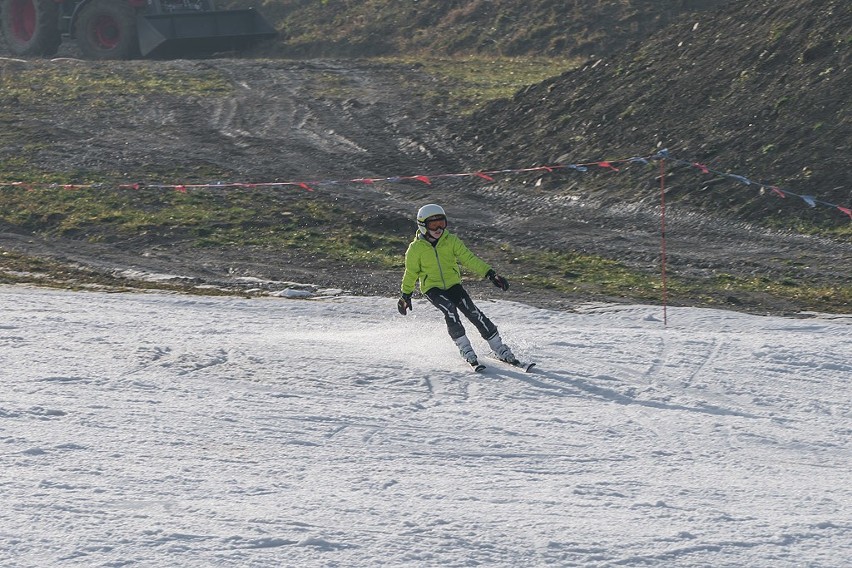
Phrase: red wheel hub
{"type": "Point", "coordinates": [23, 19]}
{"type": "Point", "coordinates": [106, 32]}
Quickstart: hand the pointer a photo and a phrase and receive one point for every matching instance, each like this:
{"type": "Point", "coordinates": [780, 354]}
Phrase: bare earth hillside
{"type": "Point", "coordinates": [754, 88]}
{"type": "Point", "coordinates": [759, 88]}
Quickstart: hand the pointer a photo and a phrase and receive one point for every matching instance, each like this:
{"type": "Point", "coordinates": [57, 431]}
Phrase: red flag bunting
{"type": "Point", "coordinates": [608, 165]}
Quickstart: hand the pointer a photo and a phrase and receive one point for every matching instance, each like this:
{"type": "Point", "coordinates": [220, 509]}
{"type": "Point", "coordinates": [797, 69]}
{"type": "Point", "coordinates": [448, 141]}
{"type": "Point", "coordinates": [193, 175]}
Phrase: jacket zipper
{"type": "Point", "coordinates": [440, 268]}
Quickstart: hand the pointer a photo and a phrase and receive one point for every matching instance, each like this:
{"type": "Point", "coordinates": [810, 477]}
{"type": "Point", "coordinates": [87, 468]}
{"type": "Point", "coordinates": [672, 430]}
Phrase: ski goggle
{"type": "Point", "coordinates": [436, 223]}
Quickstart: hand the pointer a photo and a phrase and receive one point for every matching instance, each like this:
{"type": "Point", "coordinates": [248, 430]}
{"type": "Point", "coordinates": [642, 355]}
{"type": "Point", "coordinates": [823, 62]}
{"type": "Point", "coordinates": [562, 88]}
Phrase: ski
{"type": "Point", "coordinates": [477, 367]}
{"type": "Point", "coordinates": [526, 367]}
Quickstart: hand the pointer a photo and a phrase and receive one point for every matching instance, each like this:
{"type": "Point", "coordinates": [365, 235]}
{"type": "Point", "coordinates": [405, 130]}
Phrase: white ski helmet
{"type": "Point", "coordinates": [427, 212]}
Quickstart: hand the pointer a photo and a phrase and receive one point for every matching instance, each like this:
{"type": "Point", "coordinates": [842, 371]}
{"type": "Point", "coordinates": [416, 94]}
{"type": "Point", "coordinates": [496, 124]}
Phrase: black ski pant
{"type": "Point", "coordinates": [456, 299]}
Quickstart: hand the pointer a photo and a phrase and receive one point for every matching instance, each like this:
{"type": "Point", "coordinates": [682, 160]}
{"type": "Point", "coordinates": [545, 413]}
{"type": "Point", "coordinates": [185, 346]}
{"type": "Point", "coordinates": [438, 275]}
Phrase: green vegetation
{"type": "Point", "coordinates": [463, 84]}
{"type": "Point", "coordinates": [204, 218]}
{"type": "Point", "coordinates": [48, 83]}
{"type": "Point", "coordinates": [830, 298]}
{"type": "Point", "coordinates": [585, 274]}
{"type": "Point", "coordinates": [825, 225]}
{"type": "Point", "coordinates": [458, 85]}
{"type": "Point", "coordinates": [593, 276]}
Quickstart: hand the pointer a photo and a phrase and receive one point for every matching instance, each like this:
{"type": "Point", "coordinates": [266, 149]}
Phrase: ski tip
{"type": "Point", "coordinates": [526, 367]}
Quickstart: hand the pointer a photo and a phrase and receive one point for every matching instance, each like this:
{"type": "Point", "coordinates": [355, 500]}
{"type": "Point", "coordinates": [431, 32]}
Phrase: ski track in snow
{"type": "Point", "coordinates": [164, 430]}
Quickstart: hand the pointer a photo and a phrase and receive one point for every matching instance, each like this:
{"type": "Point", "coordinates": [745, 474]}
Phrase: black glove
{"type": "Point", "coordinates": [498, 280]}
{"type": "Point", "coordinates": [404, 304]}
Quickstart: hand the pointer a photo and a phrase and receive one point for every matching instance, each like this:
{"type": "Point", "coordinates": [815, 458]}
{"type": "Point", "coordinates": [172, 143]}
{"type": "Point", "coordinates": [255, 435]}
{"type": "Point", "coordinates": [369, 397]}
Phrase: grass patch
{"type": "Point", "coordinates": [464, 84]}
{"type": "Point", "coordinates": [834, 298]}
{"type": "Point", "coordinates": [596, 277]}
{"type": "Point", "coordinates": [458, 85]}
{"type": "Point", "coordinates": [214, 218]}
{"type": "Point", "coordinates": [588, 275]}
{"type": "Point", "coordinates": [98, 84]}
{"type": "Point", "coordinates": [838, 227]}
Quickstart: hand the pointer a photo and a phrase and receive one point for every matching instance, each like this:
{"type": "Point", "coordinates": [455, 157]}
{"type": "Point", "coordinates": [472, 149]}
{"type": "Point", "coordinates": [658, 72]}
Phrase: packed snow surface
{"type": "Point", "coordinates": [163, 430]}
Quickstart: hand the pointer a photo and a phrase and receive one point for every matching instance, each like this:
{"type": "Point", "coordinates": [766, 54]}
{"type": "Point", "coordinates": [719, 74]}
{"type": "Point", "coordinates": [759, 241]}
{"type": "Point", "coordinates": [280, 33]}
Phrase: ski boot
{"type": "Point", "coordinates": [501, 350]}
{"type": "Point", "coordinates": [467, 353]}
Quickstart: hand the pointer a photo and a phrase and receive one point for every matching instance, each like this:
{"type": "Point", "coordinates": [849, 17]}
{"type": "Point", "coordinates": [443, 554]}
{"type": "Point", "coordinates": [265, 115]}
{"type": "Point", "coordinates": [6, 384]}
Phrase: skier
{"type": "Point", "coordinates": [432, 258]}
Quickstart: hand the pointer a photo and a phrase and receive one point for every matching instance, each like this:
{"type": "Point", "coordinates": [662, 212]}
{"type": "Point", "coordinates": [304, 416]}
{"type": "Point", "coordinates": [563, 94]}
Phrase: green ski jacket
{"type": "Point", "coordinates": [438, 266]}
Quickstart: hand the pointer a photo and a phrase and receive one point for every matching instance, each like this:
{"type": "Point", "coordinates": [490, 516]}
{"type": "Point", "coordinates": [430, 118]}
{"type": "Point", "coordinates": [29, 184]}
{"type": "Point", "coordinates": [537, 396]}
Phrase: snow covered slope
{"type": "Point", "coordinates": [162, 430]}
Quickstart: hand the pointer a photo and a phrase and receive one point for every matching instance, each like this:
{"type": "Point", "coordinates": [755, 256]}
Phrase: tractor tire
{"type": "Point", "coordinates": [106, 29]}
{"type": "Point", "coordinates": [30, 27]}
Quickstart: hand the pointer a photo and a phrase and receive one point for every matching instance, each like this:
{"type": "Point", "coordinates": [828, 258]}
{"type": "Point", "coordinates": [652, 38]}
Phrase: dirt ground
{"type": "Point", "coordinates": [344, 119]}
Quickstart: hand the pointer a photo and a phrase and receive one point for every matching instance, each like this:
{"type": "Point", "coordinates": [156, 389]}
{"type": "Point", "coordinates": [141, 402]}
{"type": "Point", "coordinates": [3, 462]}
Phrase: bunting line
{"type": "Point", "coordinates": [486, 175]}
{"type": "Point", "coordinates": [810, 200]}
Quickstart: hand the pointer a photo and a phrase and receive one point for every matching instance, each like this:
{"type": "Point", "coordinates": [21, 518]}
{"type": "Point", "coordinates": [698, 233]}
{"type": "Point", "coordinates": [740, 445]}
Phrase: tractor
{"type": "Point", "coordinates": [129, 29]}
